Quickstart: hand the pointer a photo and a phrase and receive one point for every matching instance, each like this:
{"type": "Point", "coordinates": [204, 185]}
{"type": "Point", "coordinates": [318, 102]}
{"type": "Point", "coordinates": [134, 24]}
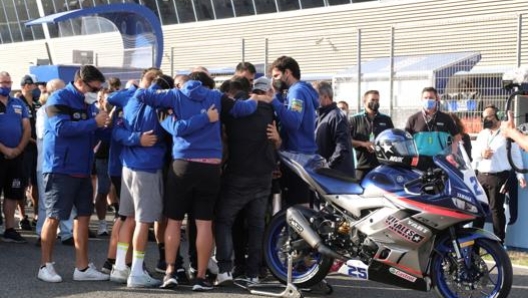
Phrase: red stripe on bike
{"type": "Point", "coordinates": [434, 209]}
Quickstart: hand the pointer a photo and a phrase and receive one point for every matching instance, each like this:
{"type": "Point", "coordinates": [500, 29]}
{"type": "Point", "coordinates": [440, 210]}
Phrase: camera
{"type": "Point", "coordinates": [515, 78]}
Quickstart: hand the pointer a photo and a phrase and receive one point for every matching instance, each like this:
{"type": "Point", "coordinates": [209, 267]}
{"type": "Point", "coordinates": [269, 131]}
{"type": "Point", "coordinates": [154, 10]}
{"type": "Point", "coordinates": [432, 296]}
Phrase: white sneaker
{"type": "Point", "coordinates": [102, 230]}
{"type": "Point", "coordinates": [90, 274]}
{"type": "Point", "coordinates": [212, 266]}
{"type": "Point", "coordinates": [224, 279]}
{"type": "Point", "coordinates": [119, 276]}
{"type": "Point", "coordinates": [48, 274]}
{"type": "Point", "coordinates": [143, 281]}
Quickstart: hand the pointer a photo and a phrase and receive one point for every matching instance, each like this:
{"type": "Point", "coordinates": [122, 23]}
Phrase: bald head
{"type": "Point", "coordinates": [54, 85]}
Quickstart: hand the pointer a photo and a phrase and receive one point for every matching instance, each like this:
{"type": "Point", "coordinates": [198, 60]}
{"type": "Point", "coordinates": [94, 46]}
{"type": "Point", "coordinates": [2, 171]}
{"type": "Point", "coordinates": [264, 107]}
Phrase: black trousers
{"type": "Point", "coordinates": [492, 183]}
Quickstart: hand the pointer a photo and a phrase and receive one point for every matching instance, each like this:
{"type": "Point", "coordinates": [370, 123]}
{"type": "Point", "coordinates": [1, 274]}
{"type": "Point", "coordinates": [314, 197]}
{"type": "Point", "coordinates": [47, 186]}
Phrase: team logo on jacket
{"type": "Point", "coordinates": [407, 229]}
{"type": "Point", "coordinates": [17, 109]}
{"type": "Point", "coordinates": [296, 105]}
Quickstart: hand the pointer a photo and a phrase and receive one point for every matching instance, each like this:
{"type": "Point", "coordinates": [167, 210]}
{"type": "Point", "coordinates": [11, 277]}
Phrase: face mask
{"type": "Point", "coordinates": [36, 94]}
{"type": "Point", "coordinates": [4, 91]}
{"type": "Point", "coordinates": [373, 106]}
{"type": "Point", "coordinates": [90, 97]}
{"type": "Point", "coordinates": [279, 85]}
{"type": "Point", "coordinates": [488, 123]}
{"type": "Point", "coordinates": [429, 104]}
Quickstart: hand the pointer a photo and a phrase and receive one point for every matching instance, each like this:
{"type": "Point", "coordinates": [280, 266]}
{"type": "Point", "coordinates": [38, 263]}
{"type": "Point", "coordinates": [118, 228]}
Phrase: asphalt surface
{"type": "Point", "coordinates": [19, 265]}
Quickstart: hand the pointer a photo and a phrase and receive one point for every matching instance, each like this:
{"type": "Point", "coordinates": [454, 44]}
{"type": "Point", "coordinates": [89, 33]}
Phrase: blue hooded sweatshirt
{"type": "Point", "coordinates": [137, 119]}
{"type": "Point", "coordinates": [193, 135]}
{"type": "Point", "coordinates": [297, 114]}
{"type": "Point", "coordinates": [69, 133]}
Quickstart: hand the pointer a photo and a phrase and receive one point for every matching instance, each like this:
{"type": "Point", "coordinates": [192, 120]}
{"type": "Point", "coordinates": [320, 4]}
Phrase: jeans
{"type": "Point", "coordinates": [251, 196]}
{"type": "Point", "coordinates": [65, 226]}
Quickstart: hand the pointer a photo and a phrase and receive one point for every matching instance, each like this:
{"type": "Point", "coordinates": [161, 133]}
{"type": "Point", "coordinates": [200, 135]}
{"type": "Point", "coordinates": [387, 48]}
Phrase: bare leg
{"type": "Point", "coordinates": [172, 242]}
{"type": "Point", "coordinates": [204, 245]}
{"type": "Point", "coordinates": [80, 236]}
{"type": "Point", "coordinates": [48, 236]}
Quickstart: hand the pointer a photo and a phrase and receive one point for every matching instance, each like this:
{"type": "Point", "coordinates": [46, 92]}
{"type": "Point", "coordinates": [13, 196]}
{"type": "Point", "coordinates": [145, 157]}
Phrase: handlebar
{"type": "Point", "coordinates": [431, 182]}
{"type": "Point", "coordinates": [509, 141]}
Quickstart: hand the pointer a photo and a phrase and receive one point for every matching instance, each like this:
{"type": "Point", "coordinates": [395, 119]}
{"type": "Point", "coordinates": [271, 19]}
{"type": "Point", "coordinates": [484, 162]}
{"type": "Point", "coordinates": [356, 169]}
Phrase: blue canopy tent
{"type": "Point", "coordinates": [138, 26]}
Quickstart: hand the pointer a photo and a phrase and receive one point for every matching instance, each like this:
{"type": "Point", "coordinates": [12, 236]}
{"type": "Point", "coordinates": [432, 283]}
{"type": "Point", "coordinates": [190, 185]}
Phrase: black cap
{"type": "Point", "coordinates": [27, 79]}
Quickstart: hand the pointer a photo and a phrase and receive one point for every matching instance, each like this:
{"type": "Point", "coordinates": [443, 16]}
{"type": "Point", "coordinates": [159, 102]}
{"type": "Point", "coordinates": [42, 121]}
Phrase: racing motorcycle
{"type": "Point", "coordinates": [398, 226]}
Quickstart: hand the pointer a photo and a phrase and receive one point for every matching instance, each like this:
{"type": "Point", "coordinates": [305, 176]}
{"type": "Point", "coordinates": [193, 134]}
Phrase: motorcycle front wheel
{"type": "Point", "coordinates": [309, 266]}
{"type": "Point", "coordinates": [489, 273]}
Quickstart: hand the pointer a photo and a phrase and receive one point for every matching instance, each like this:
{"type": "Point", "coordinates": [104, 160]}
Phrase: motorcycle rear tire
{"type": "Point", "coordinates": [276, 259]}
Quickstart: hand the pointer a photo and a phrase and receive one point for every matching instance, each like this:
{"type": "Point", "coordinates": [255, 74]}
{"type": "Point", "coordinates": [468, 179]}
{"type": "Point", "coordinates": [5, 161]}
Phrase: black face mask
{"type": "Point", "coordinates": [279, 85]}
{"type": "Point", "coordinates": [488, 123]}
{"type": "Point", "coordinates": [373, 106]}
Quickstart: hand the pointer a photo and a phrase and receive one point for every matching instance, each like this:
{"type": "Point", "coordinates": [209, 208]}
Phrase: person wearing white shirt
{"type": "Point", "coordinates": [490, 161]}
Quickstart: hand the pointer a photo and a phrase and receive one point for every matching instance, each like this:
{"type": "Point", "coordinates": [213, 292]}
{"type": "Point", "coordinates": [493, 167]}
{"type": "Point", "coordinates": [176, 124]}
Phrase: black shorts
{"type": "Point", "coordinates": [12, 178]}
{"type": "Point", "coordinates": [116, 181]}
{"type": "Point", "coordinates": [30, 165]}
{"type": "Point", "coordinates": [192, 187]}
{"type": "Point", "coordinates": [295, 190]}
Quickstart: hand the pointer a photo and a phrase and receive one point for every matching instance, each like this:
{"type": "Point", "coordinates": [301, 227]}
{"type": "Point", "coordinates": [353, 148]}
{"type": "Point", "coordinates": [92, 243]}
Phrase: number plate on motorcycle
{"type": "Point", "coordinates": [354, 269]}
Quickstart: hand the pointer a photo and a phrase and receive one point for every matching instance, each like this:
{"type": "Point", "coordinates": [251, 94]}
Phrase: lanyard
{"type": "Point", "coordinates": [429, 127]}
{"type": "Point", "coordinates": [492, 137]}
{"type": "Point", "coordinates": [370, 128]}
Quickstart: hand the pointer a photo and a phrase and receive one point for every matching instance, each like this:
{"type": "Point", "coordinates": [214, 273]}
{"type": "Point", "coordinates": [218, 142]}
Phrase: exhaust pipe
{"type": "Point", "coordinates": [298, 222]}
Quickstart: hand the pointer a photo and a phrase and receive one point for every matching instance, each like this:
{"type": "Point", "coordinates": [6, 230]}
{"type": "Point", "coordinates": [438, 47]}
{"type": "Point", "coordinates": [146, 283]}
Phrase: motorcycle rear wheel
{"type": "Point", "coordinates": [309, 266]}
{"type": "Point", "coordinates": [490, 264]}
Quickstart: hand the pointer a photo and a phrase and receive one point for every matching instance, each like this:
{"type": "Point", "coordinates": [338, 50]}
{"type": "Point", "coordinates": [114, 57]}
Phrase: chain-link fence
{"type": "Point", "coordinates": [464, 58]}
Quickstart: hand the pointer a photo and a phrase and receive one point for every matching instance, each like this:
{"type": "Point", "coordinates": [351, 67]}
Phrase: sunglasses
{"type": "Point", "coordinates": [92, 88]}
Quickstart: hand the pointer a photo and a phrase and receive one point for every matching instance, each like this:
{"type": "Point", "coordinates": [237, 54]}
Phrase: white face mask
{"type": "Point", "coordinates": [90, 97]}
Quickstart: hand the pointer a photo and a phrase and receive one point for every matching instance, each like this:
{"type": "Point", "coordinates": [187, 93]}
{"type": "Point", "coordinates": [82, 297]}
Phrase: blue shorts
{"type": "Point", "coordinates": [62, 192]}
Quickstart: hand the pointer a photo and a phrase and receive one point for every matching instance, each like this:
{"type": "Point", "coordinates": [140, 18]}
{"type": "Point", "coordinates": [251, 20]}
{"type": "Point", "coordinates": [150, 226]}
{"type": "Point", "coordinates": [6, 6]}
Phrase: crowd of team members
{"type": "Point", "coordinates": [177, 148]}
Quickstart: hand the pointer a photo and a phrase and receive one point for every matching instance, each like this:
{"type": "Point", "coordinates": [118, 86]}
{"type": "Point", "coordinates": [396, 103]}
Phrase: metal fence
{"type": "Point", "coordinates": [411, 56]}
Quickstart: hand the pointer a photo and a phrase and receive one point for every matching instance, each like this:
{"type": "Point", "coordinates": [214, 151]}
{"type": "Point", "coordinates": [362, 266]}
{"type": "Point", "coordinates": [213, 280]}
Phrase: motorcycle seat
{"type": "Point", "coordinates": [334, 185]}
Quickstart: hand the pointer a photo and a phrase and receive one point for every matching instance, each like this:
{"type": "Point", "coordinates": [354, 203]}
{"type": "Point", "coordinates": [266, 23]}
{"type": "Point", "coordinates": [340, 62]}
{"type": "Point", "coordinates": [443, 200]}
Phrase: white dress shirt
{"type": "Point", "coordinates": [499, 159]}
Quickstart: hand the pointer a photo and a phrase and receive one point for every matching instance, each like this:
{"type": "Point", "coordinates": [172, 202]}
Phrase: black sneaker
{"type": "Point", "coordinates": [10, 235]}
{"type": "Point", "coordinates": [25, 224]}
{"type": "Point", "coordinates": [91, 234]}
{"type": "Point", "coordinates": [161, 267]}
{"type": "Point", "coordinates": [182, 277]}
{"type": "Point", "coordinates": [170, 281]}
{"type": "Point", "coordinates": [202, 285]}
{"type": "Point", "coordinates": [68, 242]}
{"type": "Point", "coordinates": [107, 267]}
{"type": "Point", "coordinates": [239, 271]}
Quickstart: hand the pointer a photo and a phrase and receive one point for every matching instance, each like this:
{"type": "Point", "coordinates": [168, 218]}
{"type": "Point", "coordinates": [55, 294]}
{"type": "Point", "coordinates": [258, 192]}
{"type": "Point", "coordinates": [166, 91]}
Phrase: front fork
{"type": "Point", "coordinates": [456, 246]}
{"type": "Point", "coordinates": [463, 256]}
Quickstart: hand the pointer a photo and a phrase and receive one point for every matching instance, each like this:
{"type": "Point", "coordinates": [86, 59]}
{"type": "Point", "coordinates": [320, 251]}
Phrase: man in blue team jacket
{"type": "Point", "coordinates": [69, 138]}
{"type": "Point", "coordinates": [296, 114]}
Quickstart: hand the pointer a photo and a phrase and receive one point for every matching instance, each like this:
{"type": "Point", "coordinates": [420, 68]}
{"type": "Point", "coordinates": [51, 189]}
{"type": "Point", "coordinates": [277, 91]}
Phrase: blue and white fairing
{"type": "Point", "coordinates": [463, 186]}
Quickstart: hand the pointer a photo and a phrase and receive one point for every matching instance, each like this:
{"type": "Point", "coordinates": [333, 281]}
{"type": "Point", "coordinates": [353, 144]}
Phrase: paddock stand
{"type": "Point", "coordinates": [290, 290]}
